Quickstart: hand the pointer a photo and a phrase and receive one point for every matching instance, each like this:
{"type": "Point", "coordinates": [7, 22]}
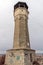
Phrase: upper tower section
{"type": "Point", "coordinates": [21, 8]}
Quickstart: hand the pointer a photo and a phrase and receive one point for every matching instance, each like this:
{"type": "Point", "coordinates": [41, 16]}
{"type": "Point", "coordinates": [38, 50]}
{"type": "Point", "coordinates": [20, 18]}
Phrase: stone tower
{"type": "Point", "coordinates": [21, 37]}
{"type": "Point", "coordinates": [21, 54]}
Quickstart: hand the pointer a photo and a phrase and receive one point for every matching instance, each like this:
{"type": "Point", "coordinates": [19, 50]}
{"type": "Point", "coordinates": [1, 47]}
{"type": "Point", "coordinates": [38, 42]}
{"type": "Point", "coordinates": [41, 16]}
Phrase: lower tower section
{"type": "Point", "coordinates": [20, 57]}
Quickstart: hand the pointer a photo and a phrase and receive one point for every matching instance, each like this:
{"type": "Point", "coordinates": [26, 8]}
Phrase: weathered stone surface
{"type": "Point", "coordinates": [19, 57]}
{"type": "Point", "coordinates": [21, 38]}
{"type": "Point", "coordinates": [21, 54]}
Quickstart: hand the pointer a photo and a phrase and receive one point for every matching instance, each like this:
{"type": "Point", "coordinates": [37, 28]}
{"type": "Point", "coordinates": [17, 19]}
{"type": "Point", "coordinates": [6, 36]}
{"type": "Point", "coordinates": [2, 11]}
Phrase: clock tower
{"type": "Point", "coordinates": [21, 54]}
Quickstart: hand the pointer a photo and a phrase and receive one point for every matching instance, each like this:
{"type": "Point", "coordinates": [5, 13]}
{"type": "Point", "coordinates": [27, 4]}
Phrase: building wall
{"type": "Point", "coordinates": [39, 59]}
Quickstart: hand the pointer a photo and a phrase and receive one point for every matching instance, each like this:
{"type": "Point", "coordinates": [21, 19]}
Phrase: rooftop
{"type": "Point", "coordinates": [20, 4]}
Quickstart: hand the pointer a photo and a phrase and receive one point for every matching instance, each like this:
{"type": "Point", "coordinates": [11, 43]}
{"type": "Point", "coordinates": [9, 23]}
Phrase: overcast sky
{"type": "Point", "coordinates": [35, 23]}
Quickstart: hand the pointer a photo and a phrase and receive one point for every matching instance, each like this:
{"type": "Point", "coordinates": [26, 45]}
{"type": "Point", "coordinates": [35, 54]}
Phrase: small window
{"type": "Point", "coordinates": [26, 54]}
{"type": "Point", "coordinates": [31, 57]}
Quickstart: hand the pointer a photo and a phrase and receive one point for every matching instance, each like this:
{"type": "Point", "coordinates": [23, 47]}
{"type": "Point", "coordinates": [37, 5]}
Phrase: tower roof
{"type": "Point", "coordinates": [20, 4]}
